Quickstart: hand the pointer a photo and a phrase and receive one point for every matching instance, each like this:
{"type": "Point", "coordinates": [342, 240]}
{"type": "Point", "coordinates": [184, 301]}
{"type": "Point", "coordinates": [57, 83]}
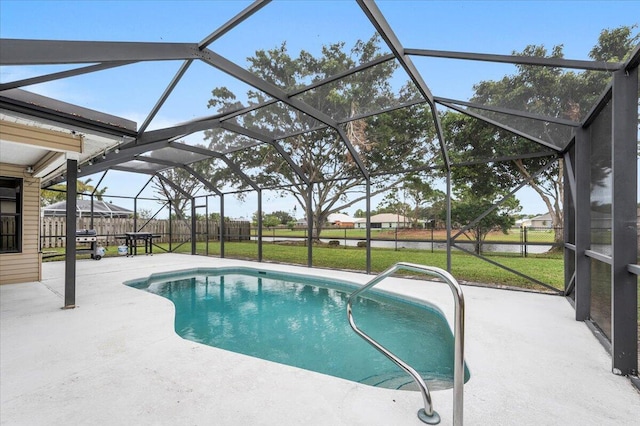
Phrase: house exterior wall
{"type": "Point", "coordinates": [26, 265]}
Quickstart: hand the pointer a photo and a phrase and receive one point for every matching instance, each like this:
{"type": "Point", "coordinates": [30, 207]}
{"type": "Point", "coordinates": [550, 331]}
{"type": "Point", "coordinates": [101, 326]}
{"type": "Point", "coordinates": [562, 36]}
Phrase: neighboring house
{"type": "Point", "coordinates": [341, 220]}
{"type": "Point", "coordinates": [83, 209]}
{"type": "Point", "coordinates": [542, 221]}
{"type": "Point", "coordinates": [523, 222]}
{"type": "Point", "coordinates": [385, 221]}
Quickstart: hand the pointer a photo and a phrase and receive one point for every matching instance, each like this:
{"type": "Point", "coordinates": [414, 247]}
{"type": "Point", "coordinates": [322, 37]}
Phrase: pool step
{"type": "Point", "coordinates": [397, 381]}
{"type": "Point", "coordinates": [400, 381]}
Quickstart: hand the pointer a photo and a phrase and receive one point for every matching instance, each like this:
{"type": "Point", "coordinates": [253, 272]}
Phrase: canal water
{"type": "Point", "coordinates": [424, 245]}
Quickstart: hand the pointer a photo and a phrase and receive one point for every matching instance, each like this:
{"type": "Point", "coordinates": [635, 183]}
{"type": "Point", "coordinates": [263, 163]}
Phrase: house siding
{"type": "Point", "coordinates": [26, 265]}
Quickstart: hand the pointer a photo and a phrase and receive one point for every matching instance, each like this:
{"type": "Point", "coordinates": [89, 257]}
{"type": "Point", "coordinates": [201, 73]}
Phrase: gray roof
{"type": "Point", "coordinates": [83, 208]}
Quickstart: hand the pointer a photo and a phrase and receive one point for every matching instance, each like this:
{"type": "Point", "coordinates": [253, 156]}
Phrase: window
{"type": "Point", "coordinates": [10, 215]}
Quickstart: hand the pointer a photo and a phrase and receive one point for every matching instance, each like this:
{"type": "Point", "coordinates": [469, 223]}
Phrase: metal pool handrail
{"type": "Point", "coordinates": [426, 414]}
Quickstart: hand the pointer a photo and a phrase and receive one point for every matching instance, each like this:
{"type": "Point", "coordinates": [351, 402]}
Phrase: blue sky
{"type": "Point", "coordinates": [499, 27]}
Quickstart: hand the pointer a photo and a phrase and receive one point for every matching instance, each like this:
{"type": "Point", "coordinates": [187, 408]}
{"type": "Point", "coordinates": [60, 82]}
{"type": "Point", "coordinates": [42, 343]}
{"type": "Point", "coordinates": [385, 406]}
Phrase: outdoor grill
{"type": "Point", "coordinates": [89, 237]}
{"type": "Point", "coordinates": [86, 235]}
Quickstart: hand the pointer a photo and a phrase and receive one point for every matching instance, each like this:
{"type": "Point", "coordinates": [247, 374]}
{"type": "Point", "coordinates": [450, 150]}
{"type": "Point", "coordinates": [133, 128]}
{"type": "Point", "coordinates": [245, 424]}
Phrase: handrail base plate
{"type": "Point", "coordinates": [430, 420]}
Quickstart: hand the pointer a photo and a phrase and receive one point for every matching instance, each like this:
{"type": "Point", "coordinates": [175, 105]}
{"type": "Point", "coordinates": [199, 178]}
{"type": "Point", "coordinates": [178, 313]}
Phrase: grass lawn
{"type": "Point", "coordinates": [547, 268]}
{"type": "Point", "coordinates": [514, 236]}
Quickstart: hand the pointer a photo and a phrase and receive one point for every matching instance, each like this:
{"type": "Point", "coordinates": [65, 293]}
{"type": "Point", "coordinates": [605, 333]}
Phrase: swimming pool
{"type": "Point", "coordinates": [301, 321]}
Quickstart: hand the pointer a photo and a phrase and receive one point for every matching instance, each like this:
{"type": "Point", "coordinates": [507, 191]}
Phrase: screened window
{"type": "Point", "coordinates": [10, 214]}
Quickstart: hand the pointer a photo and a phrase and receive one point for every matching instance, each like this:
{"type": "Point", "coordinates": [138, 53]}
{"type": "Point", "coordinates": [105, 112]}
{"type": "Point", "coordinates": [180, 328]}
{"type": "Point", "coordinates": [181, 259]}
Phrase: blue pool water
{"type": "Point", "coordinates": [301, 321]}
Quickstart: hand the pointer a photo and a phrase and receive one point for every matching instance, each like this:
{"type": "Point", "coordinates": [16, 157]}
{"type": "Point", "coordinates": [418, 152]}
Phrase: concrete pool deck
{"type": "Point", "coordinates": [116, 360]}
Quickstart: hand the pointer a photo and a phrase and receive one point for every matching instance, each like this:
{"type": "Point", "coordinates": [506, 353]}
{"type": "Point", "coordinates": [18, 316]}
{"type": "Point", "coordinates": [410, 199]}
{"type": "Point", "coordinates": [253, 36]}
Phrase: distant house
{"type": "Point", "coordinates": [523, 222]}
{"type": "Point", "coordinates": [341, 220]}
{"type": "Point", "coordinates": [385, 221]}
{"type": "Point", "coordinates": [83, 209]}
{"type": "Point", "coordinates": [542, 221]}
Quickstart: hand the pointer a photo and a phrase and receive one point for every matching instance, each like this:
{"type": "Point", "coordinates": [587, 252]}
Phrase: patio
{"type": "Point", "coordinates": [116, 359]}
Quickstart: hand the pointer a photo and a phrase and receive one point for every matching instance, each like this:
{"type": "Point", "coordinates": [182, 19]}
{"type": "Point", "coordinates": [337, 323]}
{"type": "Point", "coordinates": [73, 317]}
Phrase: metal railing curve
{"type": "Point", "coordinates": [427, 414]}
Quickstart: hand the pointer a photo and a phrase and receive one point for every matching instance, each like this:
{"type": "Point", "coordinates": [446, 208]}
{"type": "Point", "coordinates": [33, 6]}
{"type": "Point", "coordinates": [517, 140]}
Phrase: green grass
{"type": "Point", "coordinates": [547, 268]}
{"type": "Point", "coordinates": [542, 236]}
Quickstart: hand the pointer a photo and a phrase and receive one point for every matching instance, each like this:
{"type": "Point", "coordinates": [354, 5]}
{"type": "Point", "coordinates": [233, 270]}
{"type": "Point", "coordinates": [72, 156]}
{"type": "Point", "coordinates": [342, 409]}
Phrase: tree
{"type": "Point", "coordinates": [268, 220]}
{"type": "Point", "coordinates": [470, 206]}
{"type": "Point", "coordinates": [547, 91]}
{"type": "Point", "coordinates": [383, 142]}
{"type": "Point", "coordinates": [58, 192]}
{"type": "Point", "coordinates": [144, 213]}
{"type": "Point", "coordinates": [283, 217]}
{"type": "Point", "coordinates": [415, 199]}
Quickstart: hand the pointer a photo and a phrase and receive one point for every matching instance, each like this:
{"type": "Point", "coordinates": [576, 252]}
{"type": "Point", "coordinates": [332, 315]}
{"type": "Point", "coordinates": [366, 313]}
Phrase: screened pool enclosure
{"type": "Point", "coordinates": [351, 119]}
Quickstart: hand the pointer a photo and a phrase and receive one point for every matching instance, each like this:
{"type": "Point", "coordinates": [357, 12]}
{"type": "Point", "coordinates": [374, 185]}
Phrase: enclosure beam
{"type": "Point", "coordinates": [173, 133]}
{"type": "Point", "coordinates": [247, 77]}
{"type": "Point", "coordinates": [202, 179]}
{"type": "Point", "coordinates": [624, 315]}
{"type": "Point", "coordinates": [48, 52]}
{"type": "Point", "coordinates": [174, 82]}
{"type": "Point", "coordinates": [229, 25]}
{"type": "Point", "coordinates": [508, 111]}
{"type": "Point", "coordinates": [503, 126]}
{"type": "Point", "coordinates": [115, 158]}
{"type": "Point", "coordinates": [384, 29]}
{"type": "Point", "coordinates": [214, 154]}
{"type": "Point", "coordinates": [233, 166]}
{"type": "Point", "coordinates": [582, 223]}
{"type": "Point", "coordinates": [519, 59]}
{"type": "Point", "coordinates": [63, 74]}
{"type": "Point", "coordinates": [502, 200]}
{"type": "Point", "coordinates": [70, 243]}
{"type": "Point", "coordinates": [233, 22]}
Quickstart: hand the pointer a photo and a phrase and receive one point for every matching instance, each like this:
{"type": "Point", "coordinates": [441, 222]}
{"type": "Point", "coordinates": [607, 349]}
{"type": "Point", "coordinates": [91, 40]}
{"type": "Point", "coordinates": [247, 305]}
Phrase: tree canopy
{"type": "Point", "coordinates": [58, 192]}
{"type": "Point", "coordinates": [487, 150]}
{"type": "Point", "coordinates": [397, 146]}
{"type": "Point", "coordinates": [388, 141]}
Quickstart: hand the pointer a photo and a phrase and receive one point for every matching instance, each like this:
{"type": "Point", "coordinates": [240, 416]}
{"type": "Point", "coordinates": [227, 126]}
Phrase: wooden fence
{"type": "Point", "coordinates": [52, 230]}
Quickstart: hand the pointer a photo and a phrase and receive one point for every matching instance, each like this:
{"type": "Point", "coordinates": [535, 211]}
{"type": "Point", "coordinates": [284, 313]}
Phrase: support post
{"type": "Point", "coordinates": [70, 253]}
{"type": "Point", "coordinates": [91, 214]}
{"type": "Point", "coordinates": [368, 226]}
{"type": "Point", "coordinates": [448, 221]}
{"type": "Point", "coordinates": [259, 226]}
{"type": "Point", "coordinates": [310, 226]}
{"type": "Point", "coordinates": [170, 228]}
{"type": "Point", "coordinates": [206, 224]}
{"type": "Point", "coordinates": [222, 230]}
{"type": "Point", "coordinates": [194, 223]}
{"type": "Point", "coordinates": [582, 223]}
{"type": "Point", "coordinates": [624, 249]}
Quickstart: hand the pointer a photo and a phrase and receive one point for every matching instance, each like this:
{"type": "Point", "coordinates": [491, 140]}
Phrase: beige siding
{"type": "Point", "coordinates": [41, 138]}
{"type": "Point", "coordinates": [24, 266]}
